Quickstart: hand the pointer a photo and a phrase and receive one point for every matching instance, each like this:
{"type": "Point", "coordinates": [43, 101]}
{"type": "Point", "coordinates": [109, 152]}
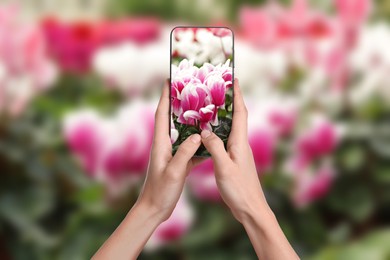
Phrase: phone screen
{"type": "Point", "coordinates": [202, 61]}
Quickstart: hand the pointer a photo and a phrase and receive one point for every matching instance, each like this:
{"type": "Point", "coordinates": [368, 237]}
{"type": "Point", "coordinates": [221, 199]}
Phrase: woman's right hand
{"type": "Point", "coordinates": [240, 188]}
{"type": "Point", "coordinates": [235, 170]}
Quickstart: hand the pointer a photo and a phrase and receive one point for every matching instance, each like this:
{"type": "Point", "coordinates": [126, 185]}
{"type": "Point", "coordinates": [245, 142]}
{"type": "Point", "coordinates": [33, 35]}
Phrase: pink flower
{"type": "Point", "coordinates": [202, 182]}
{"type": "Point", "coordinates": [182, 75]}
{"type": "Point", "coordinates": [312, 186]}
{"type": "Point", "coordinates": [74, 44]}
{"type": "Point", "coordinates": [137, 30]}
{"type": "Point", "coordinates": [258, 26]}
{"type": "Point", "coordinates": [204, 71]}
{"type": "Point", "coordinates": [353, 12]}
{"type": "Point", "coordinates": [283, 121]}
{"type": "Point", "coordinates": [221, 32]}
{"type": "Point", "coordinates": [193, 98]}
{"type": "Point", "coordinates": [262, 143]}
{"type": "Point", "coordinates": [194, 108]}
{"type": "Point", "coordinates": [321, 140]}
{"type": "Point", "coordinates": [198, 93]}
{"type": "Point", "coordinates": [351, 15]}
{"type": "Point", "coordinates": [25, 69]}
{"type": "Point", "coordinates": [217, 88]}
{"type": "Point", "coordinates": [313, 148]}
{"type": "Point", "coordinates": [85, 136]}
{"type": "Point", "coordinates": [205, 116]}
{"type": "Point", "coordinates": [274, 25]}
{"type": "Point", "coordinates": [113, 150]}
{"type": "Point", "coordinates": [175, 227]}
{"type": "Point", "coordinates": [131, 157]}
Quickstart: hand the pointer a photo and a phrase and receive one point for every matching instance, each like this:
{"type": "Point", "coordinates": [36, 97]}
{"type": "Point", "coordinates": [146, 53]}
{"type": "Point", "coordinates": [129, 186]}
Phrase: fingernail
{"type": "Point", "coordinates": [195, 138]}
{"type": "Point", "coordinates": [205, 133]}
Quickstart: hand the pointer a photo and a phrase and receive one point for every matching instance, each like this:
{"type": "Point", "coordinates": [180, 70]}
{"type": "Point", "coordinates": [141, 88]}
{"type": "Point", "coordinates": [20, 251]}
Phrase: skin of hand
{"type": "Point", "coordinates": [239, 186]}
{"type": "Point", "coordinates": [167, 174]}
{"type": "Point", "coordinates": [161, 191]}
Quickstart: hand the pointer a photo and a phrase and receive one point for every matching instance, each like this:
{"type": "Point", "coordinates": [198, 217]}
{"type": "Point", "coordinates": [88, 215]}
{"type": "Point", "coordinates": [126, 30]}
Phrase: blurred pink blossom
{"type": "Point", "coordinates": [263, 144]}
{"type": "Point", "coordinates": [269, 123]}
{"type": "Point", "coordinates": [202, 182]}
{"type": "Point", "coordinates": [274, 25]}
{"type": "Point", "coordinates": [353, 12]}
{"type": "Point", "coordinates": [320, 140]}
{"type": "Point", "coordinates": [73, 44]}
{"type": "Point", "coordinates": [114, 150]}
{"type": "Point", "coordinates": [283, 121]}
{"type": "Point", "coordinates": [309, 165]}
{"type": "Point", "coordinates": [310, 38]}
{"type": "Point", "coordinates": [311, 186]}
{"type": "Point", "coordinates": [25, 69]}
{"type": "Point", "coordinates": [85, 134]}
{"type": "Point", "coordinates": [175, 227]}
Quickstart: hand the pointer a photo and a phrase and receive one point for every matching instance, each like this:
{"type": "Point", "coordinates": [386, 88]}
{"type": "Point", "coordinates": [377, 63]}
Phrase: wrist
{"type": "Point", "coordinates": [149, 212]}
{"type": "Point", "coordinates": [259, 215]}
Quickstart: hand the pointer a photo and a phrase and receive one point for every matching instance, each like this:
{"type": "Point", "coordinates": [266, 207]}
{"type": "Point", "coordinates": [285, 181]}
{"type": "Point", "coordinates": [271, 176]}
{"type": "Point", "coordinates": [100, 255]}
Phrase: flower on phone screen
{"type": "Point", "coordinates": [198, 92]}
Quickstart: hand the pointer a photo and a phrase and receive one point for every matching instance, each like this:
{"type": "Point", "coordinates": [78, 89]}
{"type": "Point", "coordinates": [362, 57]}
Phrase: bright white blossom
{"type": "Point", "coordinates": [370, 61]}
{"type": "Point", "coordinates": [133, 68]}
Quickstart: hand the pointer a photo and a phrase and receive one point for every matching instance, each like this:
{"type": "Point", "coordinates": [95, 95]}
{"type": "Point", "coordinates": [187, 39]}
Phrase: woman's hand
{"type": "Point", "coordinates": [235, 170]}
{"type": "Point", "coordinates": [166, 174]}
{"type": "Point", "coordinates": [240, 188]}
{"type": "Point", "coordinates": [161, 191]}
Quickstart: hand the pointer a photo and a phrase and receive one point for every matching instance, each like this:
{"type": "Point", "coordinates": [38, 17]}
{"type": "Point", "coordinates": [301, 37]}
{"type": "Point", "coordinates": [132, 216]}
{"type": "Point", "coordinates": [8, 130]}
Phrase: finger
{"type": "Point", "coordinates": [161, 126]}
{"type": "Point", "coordinates": [215, 147]}
{"type": "Point", "coordinates": [239, 132]}
{"type": "Point", "coordinates": [178, 164]}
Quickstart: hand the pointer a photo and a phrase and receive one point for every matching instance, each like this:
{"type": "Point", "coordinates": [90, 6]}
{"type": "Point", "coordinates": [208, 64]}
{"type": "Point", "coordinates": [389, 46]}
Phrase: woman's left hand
{"type": "Point", "coordinates": [167, 174]}
{"type": "Point", "coordinates": [161, 191]}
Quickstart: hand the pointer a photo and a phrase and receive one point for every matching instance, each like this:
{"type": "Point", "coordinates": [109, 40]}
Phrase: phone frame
{"type": "Point", "coordinates": [170, 71]}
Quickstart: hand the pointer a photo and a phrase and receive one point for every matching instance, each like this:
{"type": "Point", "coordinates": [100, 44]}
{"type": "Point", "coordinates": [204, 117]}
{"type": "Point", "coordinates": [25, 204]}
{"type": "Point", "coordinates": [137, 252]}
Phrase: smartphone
{"type": "Point", "coordinates": [201, 79]}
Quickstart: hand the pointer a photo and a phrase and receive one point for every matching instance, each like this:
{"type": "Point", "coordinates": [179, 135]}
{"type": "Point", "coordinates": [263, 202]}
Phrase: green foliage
{"type": "Point", "coordinates": [373, 246]}
{"type": "Point", "coordinates": [195, 12]}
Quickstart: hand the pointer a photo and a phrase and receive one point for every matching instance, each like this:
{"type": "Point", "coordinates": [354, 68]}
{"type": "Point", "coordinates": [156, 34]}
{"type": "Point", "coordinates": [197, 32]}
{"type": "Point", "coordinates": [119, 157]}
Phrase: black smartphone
{"type": "Point", "coordinates": [201, 79]}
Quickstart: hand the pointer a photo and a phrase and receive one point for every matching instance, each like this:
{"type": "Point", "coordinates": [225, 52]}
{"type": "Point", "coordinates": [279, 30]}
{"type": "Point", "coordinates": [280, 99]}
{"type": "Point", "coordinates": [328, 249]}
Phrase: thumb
{"type": "Point", "coordinates": [184, 153]}
{"type": "Point", "coordinates": [215, 147]}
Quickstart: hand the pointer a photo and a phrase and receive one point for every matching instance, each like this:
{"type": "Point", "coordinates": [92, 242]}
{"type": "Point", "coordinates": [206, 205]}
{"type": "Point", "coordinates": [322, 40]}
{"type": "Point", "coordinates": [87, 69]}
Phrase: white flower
{"type": "Point", "coordinates": [259, 70]}
{"type": "Point", "coordinates": [371, 61]}
{"type": "Point", "coordinates": [202, 46]}
{"type": "Point", "coordinates": [131, 67]}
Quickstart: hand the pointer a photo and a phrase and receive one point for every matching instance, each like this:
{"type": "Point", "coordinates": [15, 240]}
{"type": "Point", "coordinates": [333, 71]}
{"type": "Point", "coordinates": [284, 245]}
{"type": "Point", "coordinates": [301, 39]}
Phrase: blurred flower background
{"type": "Point", "coordinates": [79, 83]}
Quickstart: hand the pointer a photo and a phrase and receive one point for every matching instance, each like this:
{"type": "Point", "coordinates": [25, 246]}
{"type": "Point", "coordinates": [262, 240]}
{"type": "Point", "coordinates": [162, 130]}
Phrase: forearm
{"type": "Point", "coordinates": [130, 237]}
{"type": "Point", "coordinates": [266, 235]}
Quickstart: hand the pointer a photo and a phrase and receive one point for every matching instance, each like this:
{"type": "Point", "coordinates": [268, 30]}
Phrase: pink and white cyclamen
{"type": "Point", "coordinates": [198, 93]}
